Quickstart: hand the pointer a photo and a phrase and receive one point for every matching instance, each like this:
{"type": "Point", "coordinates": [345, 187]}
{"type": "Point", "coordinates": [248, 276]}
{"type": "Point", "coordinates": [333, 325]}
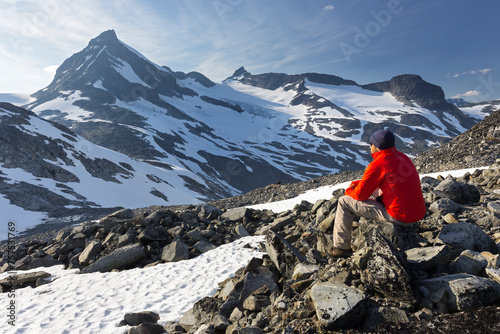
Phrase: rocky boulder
{"type": "Point", "coordinates": [460, 292]}
{"type": "Point", "coordinates": [337, 305]}
{"type": "Point", "coordinates": [464, 235]}
{"type": "Point", "coordinates": [386, 271]}
{"type": "Point", "coordinates": [120, 258]}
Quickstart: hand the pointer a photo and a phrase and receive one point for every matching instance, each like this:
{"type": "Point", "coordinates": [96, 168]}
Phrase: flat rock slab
{"type": "Point", "coordinates": [426, 258]}
{"type": "Point", "coordinates": [120, 258]}
{"type": "Point", "coordinates": [338, 305]}
{"type": "Point", "coordinates": [19, 279]}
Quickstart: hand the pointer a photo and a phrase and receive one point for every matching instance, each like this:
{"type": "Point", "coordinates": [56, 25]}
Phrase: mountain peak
{"type": "Point", "coordinates": [239, 72]}
{"type": "Point", "coordinates": [107, 37]}
{"type": "Point", "coordinates": [108, 34]}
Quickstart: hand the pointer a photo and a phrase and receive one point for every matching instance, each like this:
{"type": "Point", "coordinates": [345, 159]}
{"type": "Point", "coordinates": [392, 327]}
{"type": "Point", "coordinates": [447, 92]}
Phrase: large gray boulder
{"type": "Point", "coordinates": [426, 258]}
{"type": "Point", "coordinates": [122, 257]}
{"type": "Point", "coordinates": [459, 192]}
{"type": "Point", "coordinates": [465, 235]}
{"type": "Point", "coordinates": [237, 214]}
{"type": "Point", "coordinates": [444, 206]}
{"type": "Point", "coordinates": [459, 292]}
{"type": "Point", "coordinates": [90, 252]}
{"type": "Point", "coordinates": [386, 271]}
{"type": "Point", "coordinates": [337, 305]}
{"type": "Point", "coordinates": [175, 251]}
{"type": "Point", "coordinates": [20, 279]}
{"type": "Point", "coordinates": [468, 262]}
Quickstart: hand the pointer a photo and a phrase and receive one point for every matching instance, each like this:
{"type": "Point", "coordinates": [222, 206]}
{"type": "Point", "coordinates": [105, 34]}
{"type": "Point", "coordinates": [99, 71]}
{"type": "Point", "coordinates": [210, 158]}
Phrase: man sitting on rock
{"type": "Point", "coordinates": [388, 191]}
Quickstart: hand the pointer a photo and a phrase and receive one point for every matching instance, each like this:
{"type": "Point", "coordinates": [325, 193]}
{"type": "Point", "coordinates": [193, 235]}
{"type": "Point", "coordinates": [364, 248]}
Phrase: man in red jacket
{"type": "Point", "coordinates": [388, 191]}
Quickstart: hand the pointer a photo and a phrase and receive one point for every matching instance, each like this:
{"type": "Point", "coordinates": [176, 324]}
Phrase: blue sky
{"type": "Point", "coordinates": [450, 43]}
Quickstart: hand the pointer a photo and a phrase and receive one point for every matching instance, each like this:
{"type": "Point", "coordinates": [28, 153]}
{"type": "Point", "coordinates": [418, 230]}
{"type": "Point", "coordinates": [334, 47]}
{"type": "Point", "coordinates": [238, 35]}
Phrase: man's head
{"type": "Point", "coordinates": [383, 139]}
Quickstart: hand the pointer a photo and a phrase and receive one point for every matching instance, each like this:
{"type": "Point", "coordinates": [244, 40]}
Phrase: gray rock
{"type": "Point", "coordinates": [465, 235]}
{"type": "Point", "coordinates": [203, 246]}
{"type": "Point", "coordinates": [469, 262]}
{"type": "Point", "coordinates": [205, 329]}
{"type": "Point", "coordinates": [241, 231]}
{"type": "Point", "coordinates": [147, 328]}
{"type": "Point", "coordinates": [386, 271]}
{"type": "Point", "coordinates": [494, 207]}
{"type": "Point", "coordinates": [249, 330]}
{"type": "Point", "coordinates": [126, 239]}
{"type": "Point", "coordinates": [426, 258]}
{"type": "Point", "coordinates": [459, 192]}
{"type": "Point", "coordinates": [494, 274]}
{"type": "Point", "coordinates": [209, 212]}
{"type": "Point", "coordinates": [337, 305]}
{"type": "Point", "coordinates": [153, 233]}
{"type": "Point", "coordinates": [175, 251]}
{"type": "Point", "coordinates": [188, 320]}
{"type": "Point", "coordinates": [108, 223]}
{"type": "Point", "coordinates": [90, 252]}
{"type": "Point", "coordinates": [304, 270]}
{"type": "Point", "coordinates": [276, 225]}
{"type": "Point", "coordinates": [284, 256]}
{"type": "Point", "coordinates": [317, 205]}
{"type": "Point", "coordinates": [489, 221]}
{"type": "Point", "coordinates": [53, 250]}
{"type": "Point", "coordinates": [154, 218]}
{"type": "Point", "coordinates": [303, 206]}
{"type": "Point", "coordinates": [20, 279]}
{"type": "Point", "coordinates": [120, 258]}
{"type": "Point", "coordinates": [443, 206]}
{"type": "Point", "coordinates": [237, 214]}
{"type": "Point", "coordinates": [256, 303]}
{"type": "Point", "coordinates": [251, 282]}
{"type": "Point", "coordinates": [220, 322]}
{"type": "Point", "coordinates": [194, 236]}
{"type": "Point", "coordinates": [459, 292]}
{"type": "Point", "coordinates": [125, 214]}
{"type": "Point", "coordinates": [376, 316]}
{"type": "Point", "coordinates": [135, 319]}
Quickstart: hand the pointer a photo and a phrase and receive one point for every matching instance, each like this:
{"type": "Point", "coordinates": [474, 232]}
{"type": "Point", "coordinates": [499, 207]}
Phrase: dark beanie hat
{"type": "Point", "coordinates": [383, 139]}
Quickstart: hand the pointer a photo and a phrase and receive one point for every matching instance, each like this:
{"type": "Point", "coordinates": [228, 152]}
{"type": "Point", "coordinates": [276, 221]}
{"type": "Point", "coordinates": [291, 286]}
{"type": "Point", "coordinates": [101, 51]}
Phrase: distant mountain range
{"type": "Point", "coordinates": [188, 139]}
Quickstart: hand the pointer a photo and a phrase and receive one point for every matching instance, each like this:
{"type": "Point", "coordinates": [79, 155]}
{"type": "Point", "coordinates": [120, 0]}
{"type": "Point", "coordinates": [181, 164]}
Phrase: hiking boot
{"type": "Point", "coordinates": [338, 253]}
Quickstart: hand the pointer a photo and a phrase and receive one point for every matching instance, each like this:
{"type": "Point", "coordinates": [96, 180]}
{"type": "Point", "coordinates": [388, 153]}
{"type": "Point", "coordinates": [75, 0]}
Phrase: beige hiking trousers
{"type": "Point", "coordinates": [347, 209]}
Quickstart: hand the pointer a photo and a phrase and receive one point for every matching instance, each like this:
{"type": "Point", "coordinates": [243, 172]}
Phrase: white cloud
{"type": "Point", "coordinates": [328, 8]}
{"type": "Point", "coordinates": [483, 71]}
{"type": "Point", "coordinates": [467, 94]}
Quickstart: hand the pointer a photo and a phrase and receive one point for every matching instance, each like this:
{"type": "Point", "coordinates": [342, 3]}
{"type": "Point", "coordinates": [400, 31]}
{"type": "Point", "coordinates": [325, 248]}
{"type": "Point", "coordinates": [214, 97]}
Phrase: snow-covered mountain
{"type": "Point", "coordinates": [481, 109]}
{"type": "Point", "coordinates": [457, 102]}
{"type": "Point", "coordinates": [245, 132]}
{"type": "Point", "coordinates": [47, 169]}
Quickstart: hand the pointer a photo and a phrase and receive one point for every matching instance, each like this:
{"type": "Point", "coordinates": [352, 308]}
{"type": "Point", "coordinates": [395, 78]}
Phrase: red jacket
{"type": "Point", "coordinates": [394, 173]}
